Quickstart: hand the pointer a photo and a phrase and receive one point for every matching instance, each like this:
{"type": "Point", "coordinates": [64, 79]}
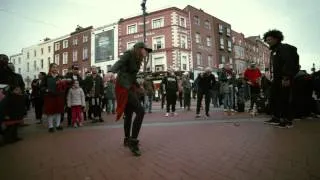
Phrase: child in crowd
{"type": "Point", "coordinates": [76, 101]}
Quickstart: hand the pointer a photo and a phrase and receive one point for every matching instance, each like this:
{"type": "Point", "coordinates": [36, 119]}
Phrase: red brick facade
{"type": "Point", "coordinates": [74, 50]}
{"type": "Point", "coordinates": [164, 28]}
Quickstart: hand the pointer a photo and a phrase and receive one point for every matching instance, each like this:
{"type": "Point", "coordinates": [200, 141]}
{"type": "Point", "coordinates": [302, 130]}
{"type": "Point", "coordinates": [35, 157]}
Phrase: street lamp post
{"type": "Point", "coordinates": [143, 5]}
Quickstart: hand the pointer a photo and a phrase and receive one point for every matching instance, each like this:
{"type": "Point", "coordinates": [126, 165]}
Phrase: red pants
{"type": "Point", "coordinates": [76, 114]}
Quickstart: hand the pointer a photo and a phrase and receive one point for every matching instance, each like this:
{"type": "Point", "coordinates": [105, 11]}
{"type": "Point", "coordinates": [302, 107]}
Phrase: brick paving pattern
{"type": "Point", "coordinates": [175, 148]}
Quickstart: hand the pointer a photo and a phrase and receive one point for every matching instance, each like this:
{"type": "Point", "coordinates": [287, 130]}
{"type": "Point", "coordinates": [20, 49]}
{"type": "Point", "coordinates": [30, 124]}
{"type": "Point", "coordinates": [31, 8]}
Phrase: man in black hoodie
{"type": "Point", "coordinates": [284, 63]}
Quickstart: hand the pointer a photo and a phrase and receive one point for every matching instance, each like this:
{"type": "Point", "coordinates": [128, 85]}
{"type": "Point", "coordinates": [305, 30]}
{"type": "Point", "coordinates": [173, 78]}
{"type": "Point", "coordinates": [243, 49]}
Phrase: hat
{"type": "Point", "coordinates": [4, 57]}
{"type": "Point", "coordinates": [142, 45]}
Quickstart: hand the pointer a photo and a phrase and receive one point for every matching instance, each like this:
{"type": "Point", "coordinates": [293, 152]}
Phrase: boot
{"type": "Point", "coordinates": [134, 147]}
{"type": "Point", "coordinates": [126, 141]}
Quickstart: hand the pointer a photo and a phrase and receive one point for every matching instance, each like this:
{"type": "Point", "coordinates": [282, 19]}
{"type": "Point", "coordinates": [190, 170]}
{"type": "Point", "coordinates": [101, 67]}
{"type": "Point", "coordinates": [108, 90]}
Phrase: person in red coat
{"type": "Point", "coordinates": [253, 76]}
{"type": "Point", "coordinates": [54, 87]}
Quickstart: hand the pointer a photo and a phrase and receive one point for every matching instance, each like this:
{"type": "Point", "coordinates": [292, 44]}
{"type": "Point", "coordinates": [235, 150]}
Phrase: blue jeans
{"type": "Point", "coordinates": [111, 105]}
{"type": "Point", "coordinates": [148, 103]}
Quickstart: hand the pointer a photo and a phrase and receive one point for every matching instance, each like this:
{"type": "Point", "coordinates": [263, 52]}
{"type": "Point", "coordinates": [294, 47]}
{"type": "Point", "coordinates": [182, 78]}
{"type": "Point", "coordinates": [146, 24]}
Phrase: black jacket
{"type": "Point", "coordinates": [206, 82]}
{"type": "Point", "coordinates": [285, 61]}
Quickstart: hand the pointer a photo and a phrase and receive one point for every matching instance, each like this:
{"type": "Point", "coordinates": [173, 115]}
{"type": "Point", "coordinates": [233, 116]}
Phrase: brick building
{"type": "Point", "coordinates": [240, 62]}
{"type": "Point", "coordinates": [211, 40]}
{"type": "Point", "coordinates": [167, 33]}
{"type": "Point", "coordinates": [74, 50]}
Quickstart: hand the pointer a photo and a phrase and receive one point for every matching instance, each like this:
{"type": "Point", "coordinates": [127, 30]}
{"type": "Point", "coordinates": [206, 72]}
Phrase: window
{"type": "Point", "coordinates": [158, 60]}
{"type": "Point", "coordinates": [28, 66]}
{"type": "Point", "coordinates": [75, 55]}
{"type": "Point", "coordinates": [19, 70]}
{"type": "Point", "coordinates": [196, 20]}
{"type": "Point", "coordinates": [34, 76]}
{"type": "Point", "coordinates": [35, 65]}
{"type": "Point", "coordinates": [210, 62]}
{"type": "Point", "coordinates": [228, 32]}
{"type": "Point", "coordinates": [41, 51]}
{"type": "Point", "coordinates": [157, 23]}
{"type": "Point", "coordinates": [28, 55]}
{"type": "Point", "coordinates": [49, 49]}
{"type": "Point", "coordinates": [221, 43]}
{"type": "Point", "coordinates": [14, 61]}
{"type": "Point", "coordinates": [199, 59]}
{"type": "Point", "coordinates": [230, 60]}
{"type": "Point", "coordinates": [130, 45]}
{"type": "Point", "coordinates": [65, 58]}
{"type": "Point", "coordinates": [183, 22]}
{"type": "Point", "coordinates": [220, 28]}
{"type": "Point", "coordinates": [85, 38]}
{"type": "Point", "coordinates": [159, 68]}
{"type": "Point", "coordinates": [19, 60]}
{"type": "Point", "coordinates": [183, 42]}
{"type": "Point", "coordinates": [109, 67]}
{"type": "Point", "coordinates": [34, 53]}
{"type": "Point", "coordinates": [49, 60]}
{"type": "Point", "coordinates": [85, 53]}
{"type": "Point", "coordinates": [158, 43]}
{"type": "Point", "coordinates": [223, 59]}
{"type": "Point", "coordinates": [75, 41]}
{"type": "Point", "coordinates": [57, 46]}
{"type": "Point", "coordinates": [65, 44]}
{"type": "Point", "coordinates": [132, 29]}
{"type": "Point", "coordinates": [229, 45]}
{"type": "Point", "coordinates": [198, 38]}
{"type": "Point", "coordinates": [41, 63]}
{"type": "Point", "coordinates": [207, 24]}
{"type": "Point", "coordinates": [209, 43]}
{"type": "Point", "coordinates": [184, 67]}
{"type": "Point", "coordinates": [56, 59]}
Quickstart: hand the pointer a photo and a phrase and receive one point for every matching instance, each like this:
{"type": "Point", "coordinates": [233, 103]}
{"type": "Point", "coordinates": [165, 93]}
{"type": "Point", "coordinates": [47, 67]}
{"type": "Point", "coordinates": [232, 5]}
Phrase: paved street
{"type": "Point", "coordinates": [175, 148]}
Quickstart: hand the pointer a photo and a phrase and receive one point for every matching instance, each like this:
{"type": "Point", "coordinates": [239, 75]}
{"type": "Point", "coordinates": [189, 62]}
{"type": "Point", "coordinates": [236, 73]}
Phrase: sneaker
{"type": "Point", "coordinates": [174, 114]}
{"type": "Point", "coordinates": [59, 128]}
{"type": "Point", "coordinates": [51, 130]}
{"type": "Point", "coordinates": [207, 115]}
{"type": "Point", "coordinates": [80, 124]}
{"type": "Point", "coordinates": [198, 115]}
{"type": "Point", "coordinates": [134, 147]}
{"type": "Point", "coordinates": [272, 121]}
{"type": "Point", "coordinates": [289, 125]}
{"type": "Point", "coordinates": [75, 125]}
{"type": "Point", "coordinates": [281, 125]}
{"type": "Point", "coordinates": [225, 110]}
{"type": "Point", "coordinates": [166, 115]}
{"type": "Point", "coordinates": [126, 141]}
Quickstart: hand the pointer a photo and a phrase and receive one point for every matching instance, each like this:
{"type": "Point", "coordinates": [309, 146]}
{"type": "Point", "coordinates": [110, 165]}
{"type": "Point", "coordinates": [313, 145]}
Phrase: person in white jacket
{"type": "Point", "coordinates": [76, 101]}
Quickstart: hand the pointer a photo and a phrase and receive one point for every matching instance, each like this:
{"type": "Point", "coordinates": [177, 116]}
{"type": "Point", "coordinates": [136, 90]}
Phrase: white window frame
{"type": "Point", "coordinates": [65, 44]}
{"type": "Point", "coordinates": [199, 59]}
{"type": "Point", "coordinates": [133, 30]}
{"type": "Point", "coordinates": [34, 65]}
{"type": "Point", "coordinates": [75, 41]}
{"type": "Point", "coordinates": [49, 49]}
{"type": "Point", "coordinates": [184, 41]}
{"type": "Point", "coordinates": [35, 53]}
{"type": "Point", "coordinates": [184, 23]}
{"type": "Point", "coordinates": [228, 31]}
{"type": "Point", "coordinates": [85, 52]}
{"type": "Point", "coordinates": [209, 41]}
{"type": "Point", "coordinates": [57, 46]}
{"type": "Point", "coordinates": [85, 38]}
{"type": "Point", "coordinates": [184, 61]}
{"type": "Point", "coordinates": [19, 70]}
{"type": "Point", "coordinates": [19, 60]}
{"type": "Point", "coordinates": [229, 46]}
{"type": "Point", "coordinates": [221, 28]}
{"type": "Point", "coordinates": [155, 42]}
{"type": "Point", "coordinates": [65, 58]}
{"type": "Point", "coordinates": [223, 59]}
{"type": "Point", "coordinates": [57, 59]}
{"type": "Point", "coordinates": [131, 44]}
{"type": "Point", "coordinates": [198, 38]}
{"type": "Point", "coordinates": [28, 66]}
{"type": "Point", "coordinates": [221, 43]}
{"type": "Point", "coordinates": [196, 20]}
{"type": "Point", "coordinates": [210, 61]}
{"type": "Point", "coordinates": [160, 25]}
{"type": "Point", "coordinates": [41, 51]}
{"type": "Point", "coordinates": [74, 55]}
{"type": "Point", "coordinates": [207, 24]}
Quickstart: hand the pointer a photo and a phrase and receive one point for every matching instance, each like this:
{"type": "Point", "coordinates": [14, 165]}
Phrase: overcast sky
{"type": "Point", "coordinates": [26, 22]}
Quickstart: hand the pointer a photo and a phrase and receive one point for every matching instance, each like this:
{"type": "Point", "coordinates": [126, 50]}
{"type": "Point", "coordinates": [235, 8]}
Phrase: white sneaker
{"type": "Point", "coordinates": [166, 115]}
{"type": "Point", "coordinates": [175, 114]}
{"type": "Point", "coordinates": [75, 125]}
